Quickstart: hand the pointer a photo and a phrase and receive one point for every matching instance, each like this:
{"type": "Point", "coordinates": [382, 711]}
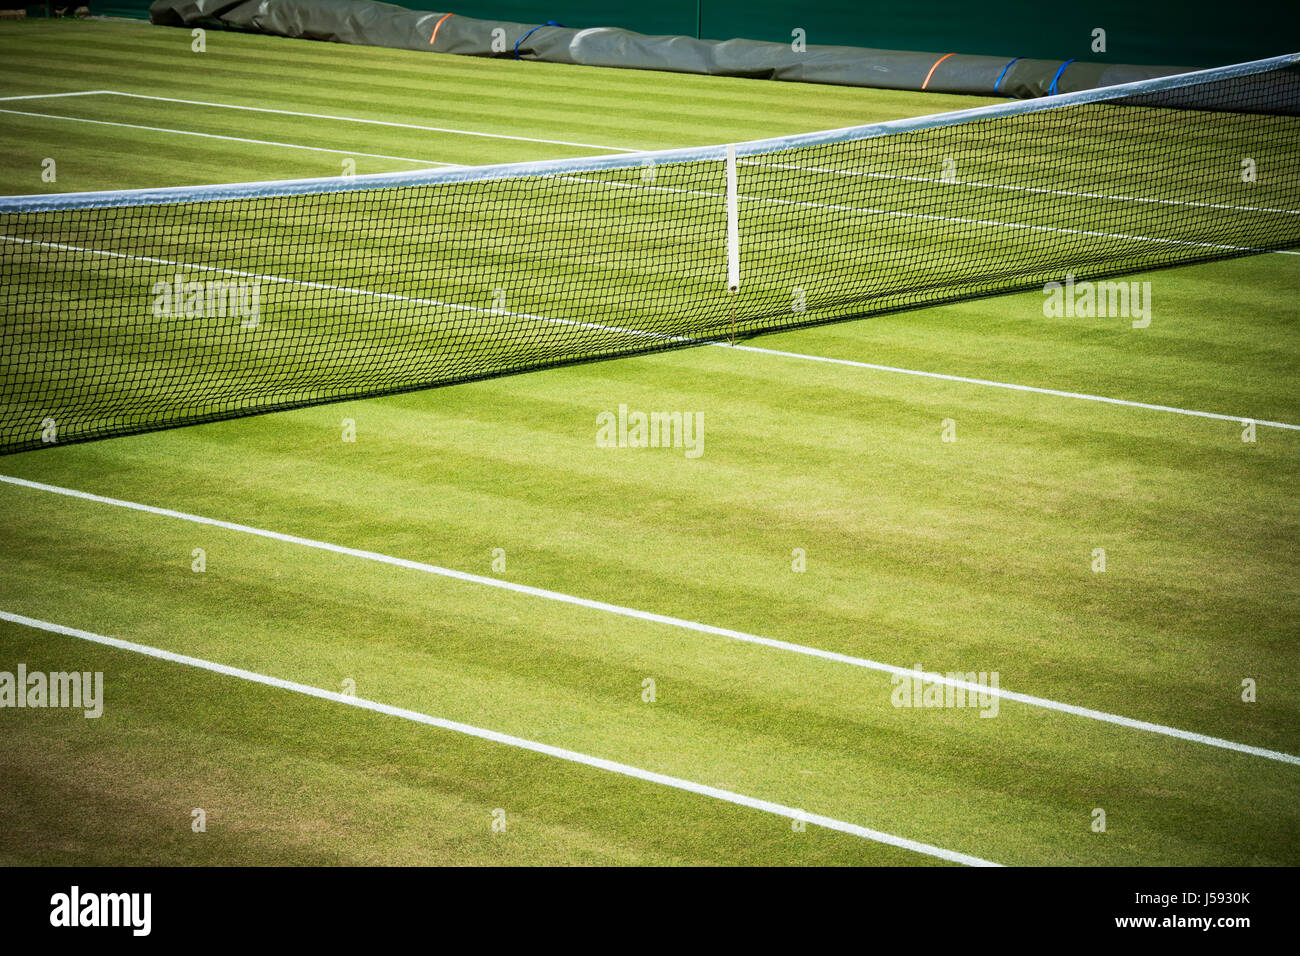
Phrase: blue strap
{"type": "Point", "coordinates": [1002, 74]}
{"type": "Point", "coordinates": [548, 23]}
{"type": "Point", "coordinates": [1051, 90]}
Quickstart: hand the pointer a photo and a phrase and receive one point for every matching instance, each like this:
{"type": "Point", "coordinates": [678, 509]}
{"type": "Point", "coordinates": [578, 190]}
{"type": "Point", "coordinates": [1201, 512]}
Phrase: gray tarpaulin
{"type": "Point", "coordinates": [381, 24]}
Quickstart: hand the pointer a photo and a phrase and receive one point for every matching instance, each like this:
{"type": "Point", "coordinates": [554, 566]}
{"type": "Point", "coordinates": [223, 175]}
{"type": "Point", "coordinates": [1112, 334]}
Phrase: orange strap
{"type": "Point", "coordinates": [932, 69]}
{"type": "Point", "coordinates": [435, 28]}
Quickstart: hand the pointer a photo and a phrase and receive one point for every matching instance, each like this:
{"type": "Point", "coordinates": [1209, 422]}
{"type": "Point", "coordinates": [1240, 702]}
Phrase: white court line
{"type": "Point", "coordinates": [233, 139]}
{"type": "Point", "coordinates": [509, 740]}
{"type": "Point", "coordinates": [898, 213]}
{"type": "Point", "coordinates": [1022, 189]}
{"type": "Point", "coordinates": [370, 122]}
{"type": "Point", "coordinates": [305, 284]}
{"type": "Point", "coordinates": [1017, 388]}
{"type": "Point", "coordinates": [654, 618]}
{"type": "Point", "coordinates": [965, 220]}
{"type": "Point", "coordinates": [350, 290]}
{"type": "Point", "coordinates": [51, 96]}
{"type": "Point", "coordinates": [680, 339]}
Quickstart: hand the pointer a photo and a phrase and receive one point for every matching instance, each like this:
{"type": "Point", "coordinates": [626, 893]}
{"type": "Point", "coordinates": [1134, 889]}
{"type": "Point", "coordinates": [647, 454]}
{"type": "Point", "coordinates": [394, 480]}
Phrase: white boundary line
{"type": "Point", "coordinates": [899, 213]}
{"type": "Point", "coordinates": [1016, 388]}
{"type": "Point", "coordinates": [1021, 189]}
{"type": "Point", "coordinates": [677, 622]}
{"type": "Point", "coordinates": [370, 122]}
{"type": "Point", "coordinates": [685, 340]}
{"type": "Point", "coordinates": [305, 284]}
{"type": "Point", "coordinates": [327, 116]}
{"type": "Point", "coordinates": [509, 740]}
{"type": "Point", "coordinates": [51, 96]}
{"type": "Point", "coordinates": [233, 139]}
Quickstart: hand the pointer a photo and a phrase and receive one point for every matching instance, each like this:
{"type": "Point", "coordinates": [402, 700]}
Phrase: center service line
{"type": "Point", "coordinates": [573, 756]}
{"type": "Point", "coordinates": [678, 622]}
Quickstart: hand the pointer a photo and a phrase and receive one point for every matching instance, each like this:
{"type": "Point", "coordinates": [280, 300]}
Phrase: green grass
{"type": "Point", "coordinates": [973, 555]}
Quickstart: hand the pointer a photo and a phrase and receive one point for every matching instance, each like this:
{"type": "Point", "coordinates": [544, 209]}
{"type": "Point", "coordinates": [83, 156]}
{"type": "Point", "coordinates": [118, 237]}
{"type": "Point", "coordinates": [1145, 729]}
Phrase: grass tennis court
{"type": "Point", "coordinates": [976, 555]}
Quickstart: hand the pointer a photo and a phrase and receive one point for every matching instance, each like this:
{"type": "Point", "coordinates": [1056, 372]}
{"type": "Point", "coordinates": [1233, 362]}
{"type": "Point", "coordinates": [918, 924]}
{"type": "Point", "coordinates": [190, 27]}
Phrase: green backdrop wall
{"type": "Point", "coordinates": [1159, 32]}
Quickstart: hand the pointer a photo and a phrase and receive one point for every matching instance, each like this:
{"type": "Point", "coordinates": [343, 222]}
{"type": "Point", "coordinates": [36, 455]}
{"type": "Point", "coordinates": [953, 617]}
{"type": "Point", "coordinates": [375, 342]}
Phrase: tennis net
{"type": "Point", "coordinates": [144, 309]}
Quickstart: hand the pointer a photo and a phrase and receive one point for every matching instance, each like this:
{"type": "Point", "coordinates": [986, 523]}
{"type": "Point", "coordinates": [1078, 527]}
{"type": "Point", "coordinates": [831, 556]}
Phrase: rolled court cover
{"type": "Point", "coordinates": [128, 311]}
{"type": "Point", "coordinates": [381, 24]}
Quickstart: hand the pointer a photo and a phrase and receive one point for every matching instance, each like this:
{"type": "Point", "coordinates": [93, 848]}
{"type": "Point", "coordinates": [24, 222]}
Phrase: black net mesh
{"type": "Point", "coordinates": [118, 320]}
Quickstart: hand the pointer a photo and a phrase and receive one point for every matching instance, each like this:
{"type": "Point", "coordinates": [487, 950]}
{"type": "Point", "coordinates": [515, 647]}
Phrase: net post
{"type": "Point", "coordinates": [733, 237]}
